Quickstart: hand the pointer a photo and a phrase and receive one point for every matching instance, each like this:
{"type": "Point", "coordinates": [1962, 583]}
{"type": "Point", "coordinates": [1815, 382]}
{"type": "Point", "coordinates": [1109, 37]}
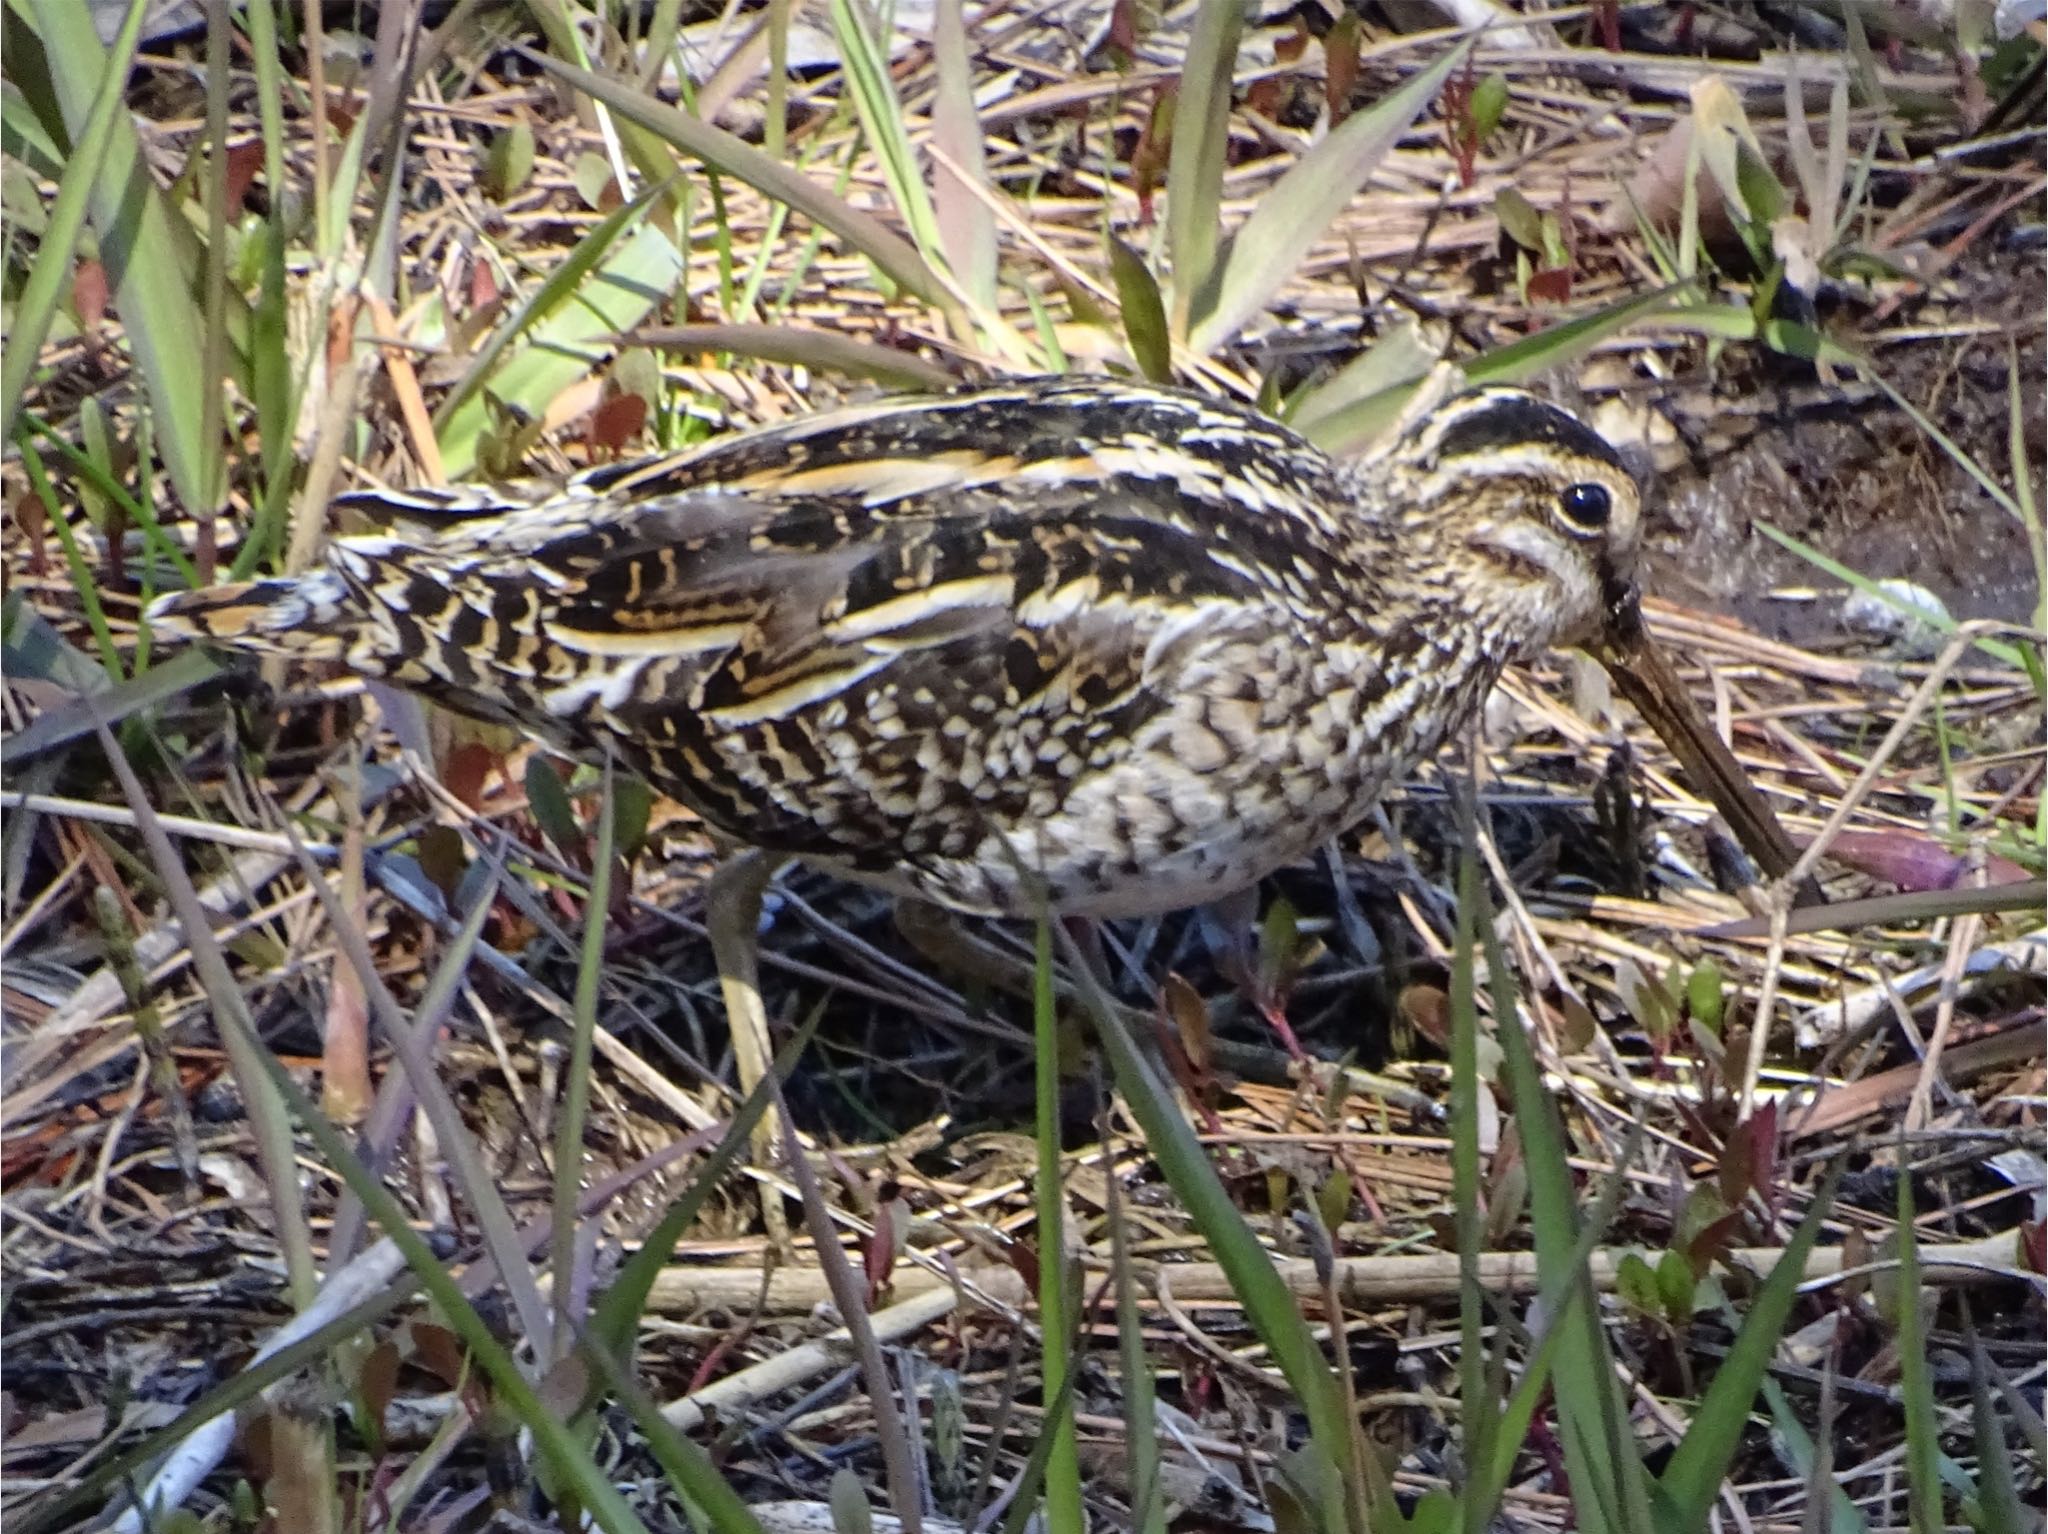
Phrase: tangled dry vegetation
{"type": "Point", "coordinates": [1700, 220]}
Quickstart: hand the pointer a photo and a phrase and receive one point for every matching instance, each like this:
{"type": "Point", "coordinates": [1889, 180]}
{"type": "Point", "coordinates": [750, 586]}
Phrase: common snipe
{"type": "Point", "coordinates": [1121, 648]}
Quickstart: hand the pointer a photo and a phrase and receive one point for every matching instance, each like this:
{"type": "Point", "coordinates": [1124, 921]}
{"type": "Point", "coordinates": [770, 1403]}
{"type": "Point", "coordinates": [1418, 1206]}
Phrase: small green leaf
{"type": "Point", "coordinates": [1524, 225]}
{"type": "Point", "coordinates": [1144, 312]}
{"type": "Point", "coordinates": [1647, 1001]}
{"type": "Point", "coordinates": [632, 805]}
{"type": "Point", "coordinates": [850, 1511]}
{"type": "Point", "coordinates": [591, 174]}
{"type": "Point", "coordinates": [1762, 194]}
{"type": "Point", "coordinates": [1279, 945]}
{"type": "Point", "coordinates": [549, 802]}
{"type": "Point", "coordinates": [1636, 1282]}
{"type": "Point", "coordinates": [508, 163]}
{"type": "Point", "coordinates": [1489, 105]}
{"type": "Point", "coordinates": [1705, 995]}
{"type": "Point", "coordinates": [1676, 1283]}
{"type": "Point", "coordinates": [1333, 1199]}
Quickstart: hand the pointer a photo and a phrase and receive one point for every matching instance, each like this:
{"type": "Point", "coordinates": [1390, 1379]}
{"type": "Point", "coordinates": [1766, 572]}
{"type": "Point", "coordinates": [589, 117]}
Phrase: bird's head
{"type": "Point", "coordinates": [1536, 519]}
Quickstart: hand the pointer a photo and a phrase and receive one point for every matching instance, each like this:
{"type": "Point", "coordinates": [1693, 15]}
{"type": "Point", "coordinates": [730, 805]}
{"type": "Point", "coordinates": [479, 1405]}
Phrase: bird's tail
{"type": "Point", "coordinates": [309, 616]}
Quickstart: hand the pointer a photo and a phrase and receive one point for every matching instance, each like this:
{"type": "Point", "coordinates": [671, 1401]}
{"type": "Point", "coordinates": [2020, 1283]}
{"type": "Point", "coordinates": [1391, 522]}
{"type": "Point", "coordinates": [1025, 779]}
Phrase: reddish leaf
{"type": "Point", "coordinates": [1608, 14]}
{"type": "Point", "coordinates": [1460, 137]}
{"type": "Point", "coordinates": [1737, 1169]}
{"type": "Point", "coordinates": [439, 1351]}
{"type": "Point", "coordinates": [616, 422]}
{"type": "Point", "coordinates": [892, 1225]}
{"type": "Point", "coordinates": [1759, 1135]}
{"type": "Point", "coordinates": [464, 772]}
{"type": "Point", "coordinates": [1340, 55]}
{"type": "Point", "coordinates": [1552, 286]}
{"type": "Point", "coordinates": [483, 284]}
{"type": "Point", "coordinates": [1186, 1019]}
{"type": "Point", "coordinates": [243, 161]}
{"type": "Point", "coordinates": [1024, 1258]}
{"type": "Point", "coordinates": [34, 525]}
{"type": "Point", "coordinates": [1149, 155]}
{"type": "Point", "coordinates": [1713, 1242]}
{"type": "Point", "coordinates": [1914, 861]}
{"type": "Point", "coordinates": [89, 293]}
{"type": "Point", "coordinates": [1123, 31]}
{"type": "Point", "coordinates": [377, 1382]}
{"type": "Point", "coordinates": [1427, 1010]}
{"type": "Point", "coordinates": [116, 532]}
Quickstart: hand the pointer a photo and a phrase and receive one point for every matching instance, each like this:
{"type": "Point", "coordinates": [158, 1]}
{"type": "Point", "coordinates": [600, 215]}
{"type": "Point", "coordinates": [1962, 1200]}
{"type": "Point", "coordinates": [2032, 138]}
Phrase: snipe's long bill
{"type": "Point", "coordinates": [1117, 648]}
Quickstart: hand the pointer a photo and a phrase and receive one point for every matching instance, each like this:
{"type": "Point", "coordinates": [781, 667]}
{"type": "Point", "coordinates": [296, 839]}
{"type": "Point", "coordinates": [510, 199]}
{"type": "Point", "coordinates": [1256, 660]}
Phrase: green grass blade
{"type": "Point", "coordinates": [1476, 1407]}
{"type": "Point", "coordinates": [1986, 481]}
{"type": "Point", "coordinates": [1916, 1378]}
{"type": "Point", "coordinates": [152, 260]}
{"type": "Point", "coordinates": [1140, 1401]}
{"type": "Point", "coordinates": [721, 150]}
{"type": "Point", "coordinates": [1692, 1479]}
{"type": "Point", "coordinates": [83, 579]}
{"type": "Point", "coordinates": [1266, 1299]}
{"type": "Point", "coordinates": [41, 293]}
{"type": "Point", "coordinates": [93, 469]}
{"type": "Point", "coordinates": [2020, 462]}
{"type": "Point", "coordinates": [960, 184]}
{"type": "Point", "coordinates": [615, 1317]}
{"type": "Point", "coordinates": [575, 1101]}
{"type": "Point", "coordinates": [1997, 1490]}
{"type": "Point", "coordinates": [1799, 1454]}
{"type": "Point", "coordinates": [1556, 345]}
{"type": "Point", "coordinates": [274, 396]}
{"type": "Point", "coordinates": [1201, 143]}
{"type": "Point", "coordinates": [1609, 1487]}
{"type": "Point", "coordinates": [1056, 1296]}
{"type": "Point", "coordinates": [1512, 1432]}
{"type": "Point", "coordinates": [1268, 250]}
{"type": "Point", "coordinates": [881, 118]}
{"type": "Point", "coordinates": [690, 1470]}
{"type": "Point", "coordinates": [73, 721]}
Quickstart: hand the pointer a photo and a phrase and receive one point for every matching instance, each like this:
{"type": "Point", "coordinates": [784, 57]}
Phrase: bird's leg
{"type": "Point", "coordinates": [732, 917]}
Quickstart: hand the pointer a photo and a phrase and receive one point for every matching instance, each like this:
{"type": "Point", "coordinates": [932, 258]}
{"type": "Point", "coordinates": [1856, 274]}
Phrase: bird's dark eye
{"type": "Point", "coordinates": [1588, 505]}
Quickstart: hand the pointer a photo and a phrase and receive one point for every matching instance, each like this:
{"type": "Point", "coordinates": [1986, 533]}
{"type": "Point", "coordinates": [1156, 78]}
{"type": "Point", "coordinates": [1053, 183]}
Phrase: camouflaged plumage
{"type": "Point", "coordinates": [1126, 647]}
